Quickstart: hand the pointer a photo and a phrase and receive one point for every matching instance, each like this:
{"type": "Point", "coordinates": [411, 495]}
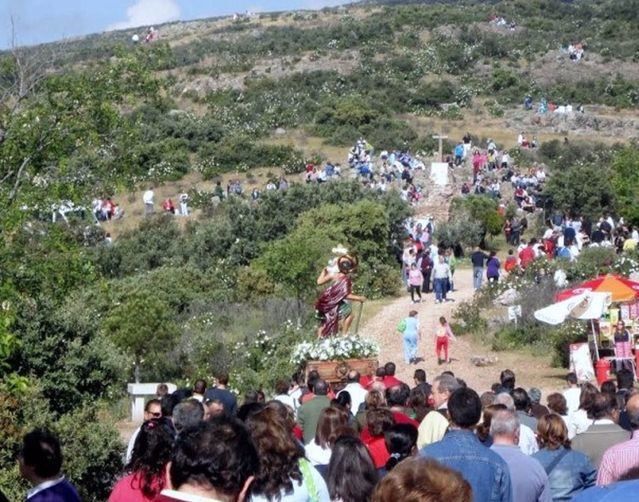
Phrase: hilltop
{"type": "Point", "coordinates": [393, 60]}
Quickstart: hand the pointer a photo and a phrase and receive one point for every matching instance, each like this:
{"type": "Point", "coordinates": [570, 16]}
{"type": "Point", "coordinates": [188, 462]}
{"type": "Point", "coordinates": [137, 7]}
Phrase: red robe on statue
{"type": "Point", "coordinates": [329, 303]}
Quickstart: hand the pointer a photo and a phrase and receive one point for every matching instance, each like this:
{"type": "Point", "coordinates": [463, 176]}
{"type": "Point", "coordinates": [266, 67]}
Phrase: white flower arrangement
{"type": "Point", "coordinates": [334, 348]}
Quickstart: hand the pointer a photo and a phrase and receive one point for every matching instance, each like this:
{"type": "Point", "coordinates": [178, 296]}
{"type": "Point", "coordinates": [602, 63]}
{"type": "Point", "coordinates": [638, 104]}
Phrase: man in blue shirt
{"type": "Point", "coordinates": [460, 449]}
{"type": "Point", "coordinates": [40, 462]}
{"type": "Point", "coordinates": [221, 394]}
{"type": "Point", "coordinates": [459, 153]}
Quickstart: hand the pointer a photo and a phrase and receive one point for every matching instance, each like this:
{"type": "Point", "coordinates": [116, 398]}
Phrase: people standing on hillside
{"type": "Point", "coordinates": [147, 198]}
{"type": "Point", "coordinates": [452, 263]}
{"type": "Point", "coordinates": [527, 255]}
{"type": "Point", "coordinates": [441, 276]}
{"type": "Point", "coordinates": [511, 261]}
{"type": "Point", "coordinates": [442, 337]}
{"type": "Point", "coordinates": [492, 268]}
{"type": "Point", "coordinates": [411, 334]}
{"type": "Point", "coordinates": [415, 282]}
{"type": "Point", "coordinates": [478, 258]}
{"type": "Point", "coordinates": [168, 206]}
{"type": "Point", "coordinates": [184, 204]}
{"type": "Point", "coordinates": [426, 266]}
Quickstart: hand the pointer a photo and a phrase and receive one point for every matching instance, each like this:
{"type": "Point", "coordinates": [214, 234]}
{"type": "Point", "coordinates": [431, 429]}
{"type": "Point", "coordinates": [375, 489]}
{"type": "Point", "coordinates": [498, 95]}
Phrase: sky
{"type": "Point", "coordinates": [37, 21]}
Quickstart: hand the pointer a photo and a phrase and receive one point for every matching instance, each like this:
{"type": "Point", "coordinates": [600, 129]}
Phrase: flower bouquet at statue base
{"type": "Point", "coordinates": [335, 356]}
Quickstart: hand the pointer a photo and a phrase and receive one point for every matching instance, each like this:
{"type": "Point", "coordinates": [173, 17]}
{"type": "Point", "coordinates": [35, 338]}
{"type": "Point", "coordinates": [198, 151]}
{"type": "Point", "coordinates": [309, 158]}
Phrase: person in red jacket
{"type": "Point", "coordinates": [168, 206]}
{"type": "Point", "coordinates": [378, 421]}
{"type": "Point", "coordinates": [527, 255]}
{"type": "Point", "coordinates": [511, 261]}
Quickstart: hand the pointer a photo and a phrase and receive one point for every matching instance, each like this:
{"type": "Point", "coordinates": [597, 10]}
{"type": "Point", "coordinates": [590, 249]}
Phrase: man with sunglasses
{"type": "Point", "coordinates": [152, 409]}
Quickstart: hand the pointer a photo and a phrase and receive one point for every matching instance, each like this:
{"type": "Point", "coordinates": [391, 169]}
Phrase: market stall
{"type": "Point", "coordinates": [623, 306]}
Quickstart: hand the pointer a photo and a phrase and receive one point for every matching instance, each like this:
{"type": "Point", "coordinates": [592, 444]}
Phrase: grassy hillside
{"type": "Point", "coordinates": [394, 73]}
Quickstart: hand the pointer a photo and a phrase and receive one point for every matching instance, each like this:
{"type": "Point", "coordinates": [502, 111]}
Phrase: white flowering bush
{"type": "Point", "coordinates": [334, 348]}
{"type": "Point", "coordinates": [258, 361]}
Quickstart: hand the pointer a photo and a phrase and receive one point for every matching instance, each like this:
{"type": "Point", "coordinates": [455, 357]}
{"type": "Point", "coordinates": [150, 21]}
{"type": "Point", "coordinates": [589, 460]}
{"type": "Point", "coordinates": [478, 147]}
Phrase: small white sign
{"type": "Point", "coordinates": [514, 311]}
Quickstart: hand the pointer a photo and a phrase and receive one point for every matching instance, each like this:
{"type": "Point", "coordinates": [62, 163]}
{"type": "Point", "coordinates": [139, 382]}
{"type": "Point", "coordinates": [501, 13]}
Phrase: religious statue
{"type": "Point", "coordinates": [333, 306]}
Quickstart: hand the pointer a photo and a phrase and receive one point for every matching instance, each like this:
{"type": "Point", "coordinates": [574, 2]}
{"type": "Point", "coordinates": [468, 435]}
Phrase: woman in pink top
{"type": "Point", "coordinates": [415, 281]}
{"type": "Point", "coordinates": [151, 453]}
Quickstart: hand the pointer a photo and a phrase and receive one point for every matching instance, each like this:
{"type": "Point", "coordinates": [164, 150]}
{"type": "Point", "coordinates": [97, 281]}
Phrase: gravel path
{"type": "Point", "coordinates": [531, 371]}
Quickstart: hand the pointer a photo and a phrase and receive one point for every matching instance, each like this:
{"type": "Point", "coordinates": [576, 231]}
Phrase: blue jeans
{"type": "Point", "coordinates": [410, 346]}
{"type": "Point", "coordinates": [440, 286]}
{"type": "Point", "coordinates": [478, 273]}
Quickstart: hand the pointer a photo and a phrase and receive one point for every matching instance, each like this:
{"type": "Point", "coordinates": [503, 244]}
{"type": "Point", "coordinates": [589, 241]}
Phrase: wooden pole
{"type": "Point", "coordinates": [359, 316]}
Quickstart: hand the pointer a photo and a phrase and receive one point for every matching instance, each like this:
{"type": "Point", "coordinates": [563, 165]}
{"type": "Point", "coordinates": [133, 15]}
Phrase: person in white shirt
{"type": "Point", "coordinates": [152, 409]}
{"type": "Point", "coordinates": [579, 420]}
{"type": "Point", "coordinates": [147, 198]}
{"type": "Point", "coordinates": [282, 388]}
{"type": "Point", "coordinates": [357, 392]}
{"type": "Point", "coordinates": [572, 393]}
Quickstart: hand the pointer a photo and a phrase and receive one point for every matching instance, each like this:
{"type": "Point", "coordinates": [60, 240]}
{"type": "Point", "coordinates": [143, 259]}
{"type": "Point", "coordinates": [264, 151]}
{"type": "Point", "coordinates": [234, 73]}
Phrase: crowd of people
{"type": "Point", "coordinates": [371, 438]}
{"type": "Point", "coordinates": [390, 169]}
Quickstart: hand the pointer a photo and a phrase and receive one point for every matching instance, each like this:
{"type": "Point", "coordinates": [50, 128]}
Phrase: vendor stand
{"type": "Point", "coordinates": [624, 305]}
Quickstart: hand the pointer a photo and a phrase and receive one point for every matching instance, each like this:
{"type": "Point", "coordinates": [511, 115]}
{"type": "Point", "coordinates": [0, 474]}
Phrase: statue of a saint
{"type": "Point", "coordinates": [333, 306]}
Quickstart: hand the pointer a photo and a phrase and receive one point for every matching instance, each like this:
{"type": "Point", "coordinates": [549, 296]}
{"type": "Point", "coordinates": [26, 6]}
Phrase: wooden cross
{"type": "Point", "coordinates": [441, 148]}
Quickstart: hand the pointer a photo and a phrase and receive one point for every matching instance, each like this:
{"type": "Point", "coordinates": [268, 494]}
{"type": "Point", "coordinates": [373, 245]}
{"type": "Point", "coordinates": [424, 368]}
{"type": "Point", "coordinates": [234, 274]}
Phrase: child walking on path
{"type": "Point", "coordinates": [443, 335]}
{"type": "Point", "coordinates": [415, 281]}
{"type": "Point", "coordinates": [409, 328]}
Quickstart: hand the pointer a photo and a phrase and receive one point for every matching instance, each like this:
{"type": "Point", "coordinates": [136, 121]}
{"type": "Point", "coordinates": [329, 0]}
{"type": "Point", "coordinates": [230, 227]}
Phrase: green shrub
{"type": "Point", "coordinates": [93, 452]}
{"type": "Point", "coordinates": [468, 319]}
{"type": "Point", "coordinates": [512, 336]}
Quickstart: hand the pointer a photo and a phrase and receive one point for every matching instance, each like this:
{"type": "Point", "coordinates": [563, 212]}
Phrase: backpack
{"type": "Point", "coordinates": [401, 327]}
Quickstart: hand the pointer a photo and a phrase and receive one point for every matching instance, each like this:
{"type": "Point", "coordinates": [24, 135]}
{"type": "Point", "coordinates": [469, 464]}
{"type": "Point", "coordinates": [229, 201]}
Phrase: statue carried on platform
{"type": "Point", "coordinates": [333, 306]}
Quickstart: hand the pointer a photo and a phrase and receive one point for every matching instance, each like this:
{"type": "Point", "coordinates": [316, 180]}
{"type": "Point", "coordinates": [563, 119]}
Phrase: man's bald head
{"type": "Point", "coordinates": [353, 377]}
{"type": "Point", "coordinates": [632, 407]}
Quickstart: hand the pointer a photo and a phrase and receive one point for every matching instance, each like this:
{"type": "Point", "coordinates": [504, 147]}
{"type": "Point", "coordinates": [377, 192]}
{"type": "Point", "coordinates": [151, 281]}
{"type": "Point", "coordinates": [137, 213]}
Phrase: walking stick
{"type": "Point", "coordinates": [359, 316]}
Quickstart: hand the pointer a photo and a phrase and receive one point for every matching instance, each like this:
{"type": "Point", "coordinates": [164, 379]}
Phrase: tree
{"type": "Point", "coordinates": [585, 189]}
{"type": "Point", "coordinates": [625, 181]}
{"type": "Point", "coordinates": [295, 261]}
{"type": "Point", "coordinates": [49, 121]}
{"type": "Point", "coordinates": [142, 325]}
{"type": "Point", "coordinates": [473, 216]}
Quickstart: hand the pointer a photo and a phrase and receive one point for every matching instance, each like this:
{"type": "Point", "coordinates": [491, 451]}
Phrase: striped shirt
{"type": "Point", "coordinates": [618, 459]}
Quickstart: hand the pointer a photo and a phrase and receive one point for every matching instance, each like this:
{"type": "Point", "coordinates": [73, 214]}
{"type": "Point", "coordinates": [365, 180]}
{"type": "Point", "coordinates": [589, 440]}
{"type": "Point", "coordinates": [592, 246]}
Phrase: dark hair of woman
{"type": "Point", "coordinates": [251, 396]}
{"type": "Point", "coordinates": [331, 421]}
{"type": "Point", "coordinates": [247, 409]}
{"type": "Point", "coordinates": [587, 396]}
{"type": "Point", "coordinates": [483, 429]}
{"type": "Point", "coordinates": [151, 452]}
{"type": "Point", "coordinates": [278, 451]}
{"type": "Point", "coordinates": [400, 440]}
{"type": "Point", "coordinates": [343, 399]}
{"type": "Point", "coordinates": [418, 402]}
{"type": "Point", "coordinates": [351, 473]}
{"type": "Point", "coordinates": [379, 420]}
{"type": "Point", "coordinates": [557, 404]}
{"type": "Point", "coordinates": [287, 415]}
{"type": "Point", "coordinates": [609, 387]}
